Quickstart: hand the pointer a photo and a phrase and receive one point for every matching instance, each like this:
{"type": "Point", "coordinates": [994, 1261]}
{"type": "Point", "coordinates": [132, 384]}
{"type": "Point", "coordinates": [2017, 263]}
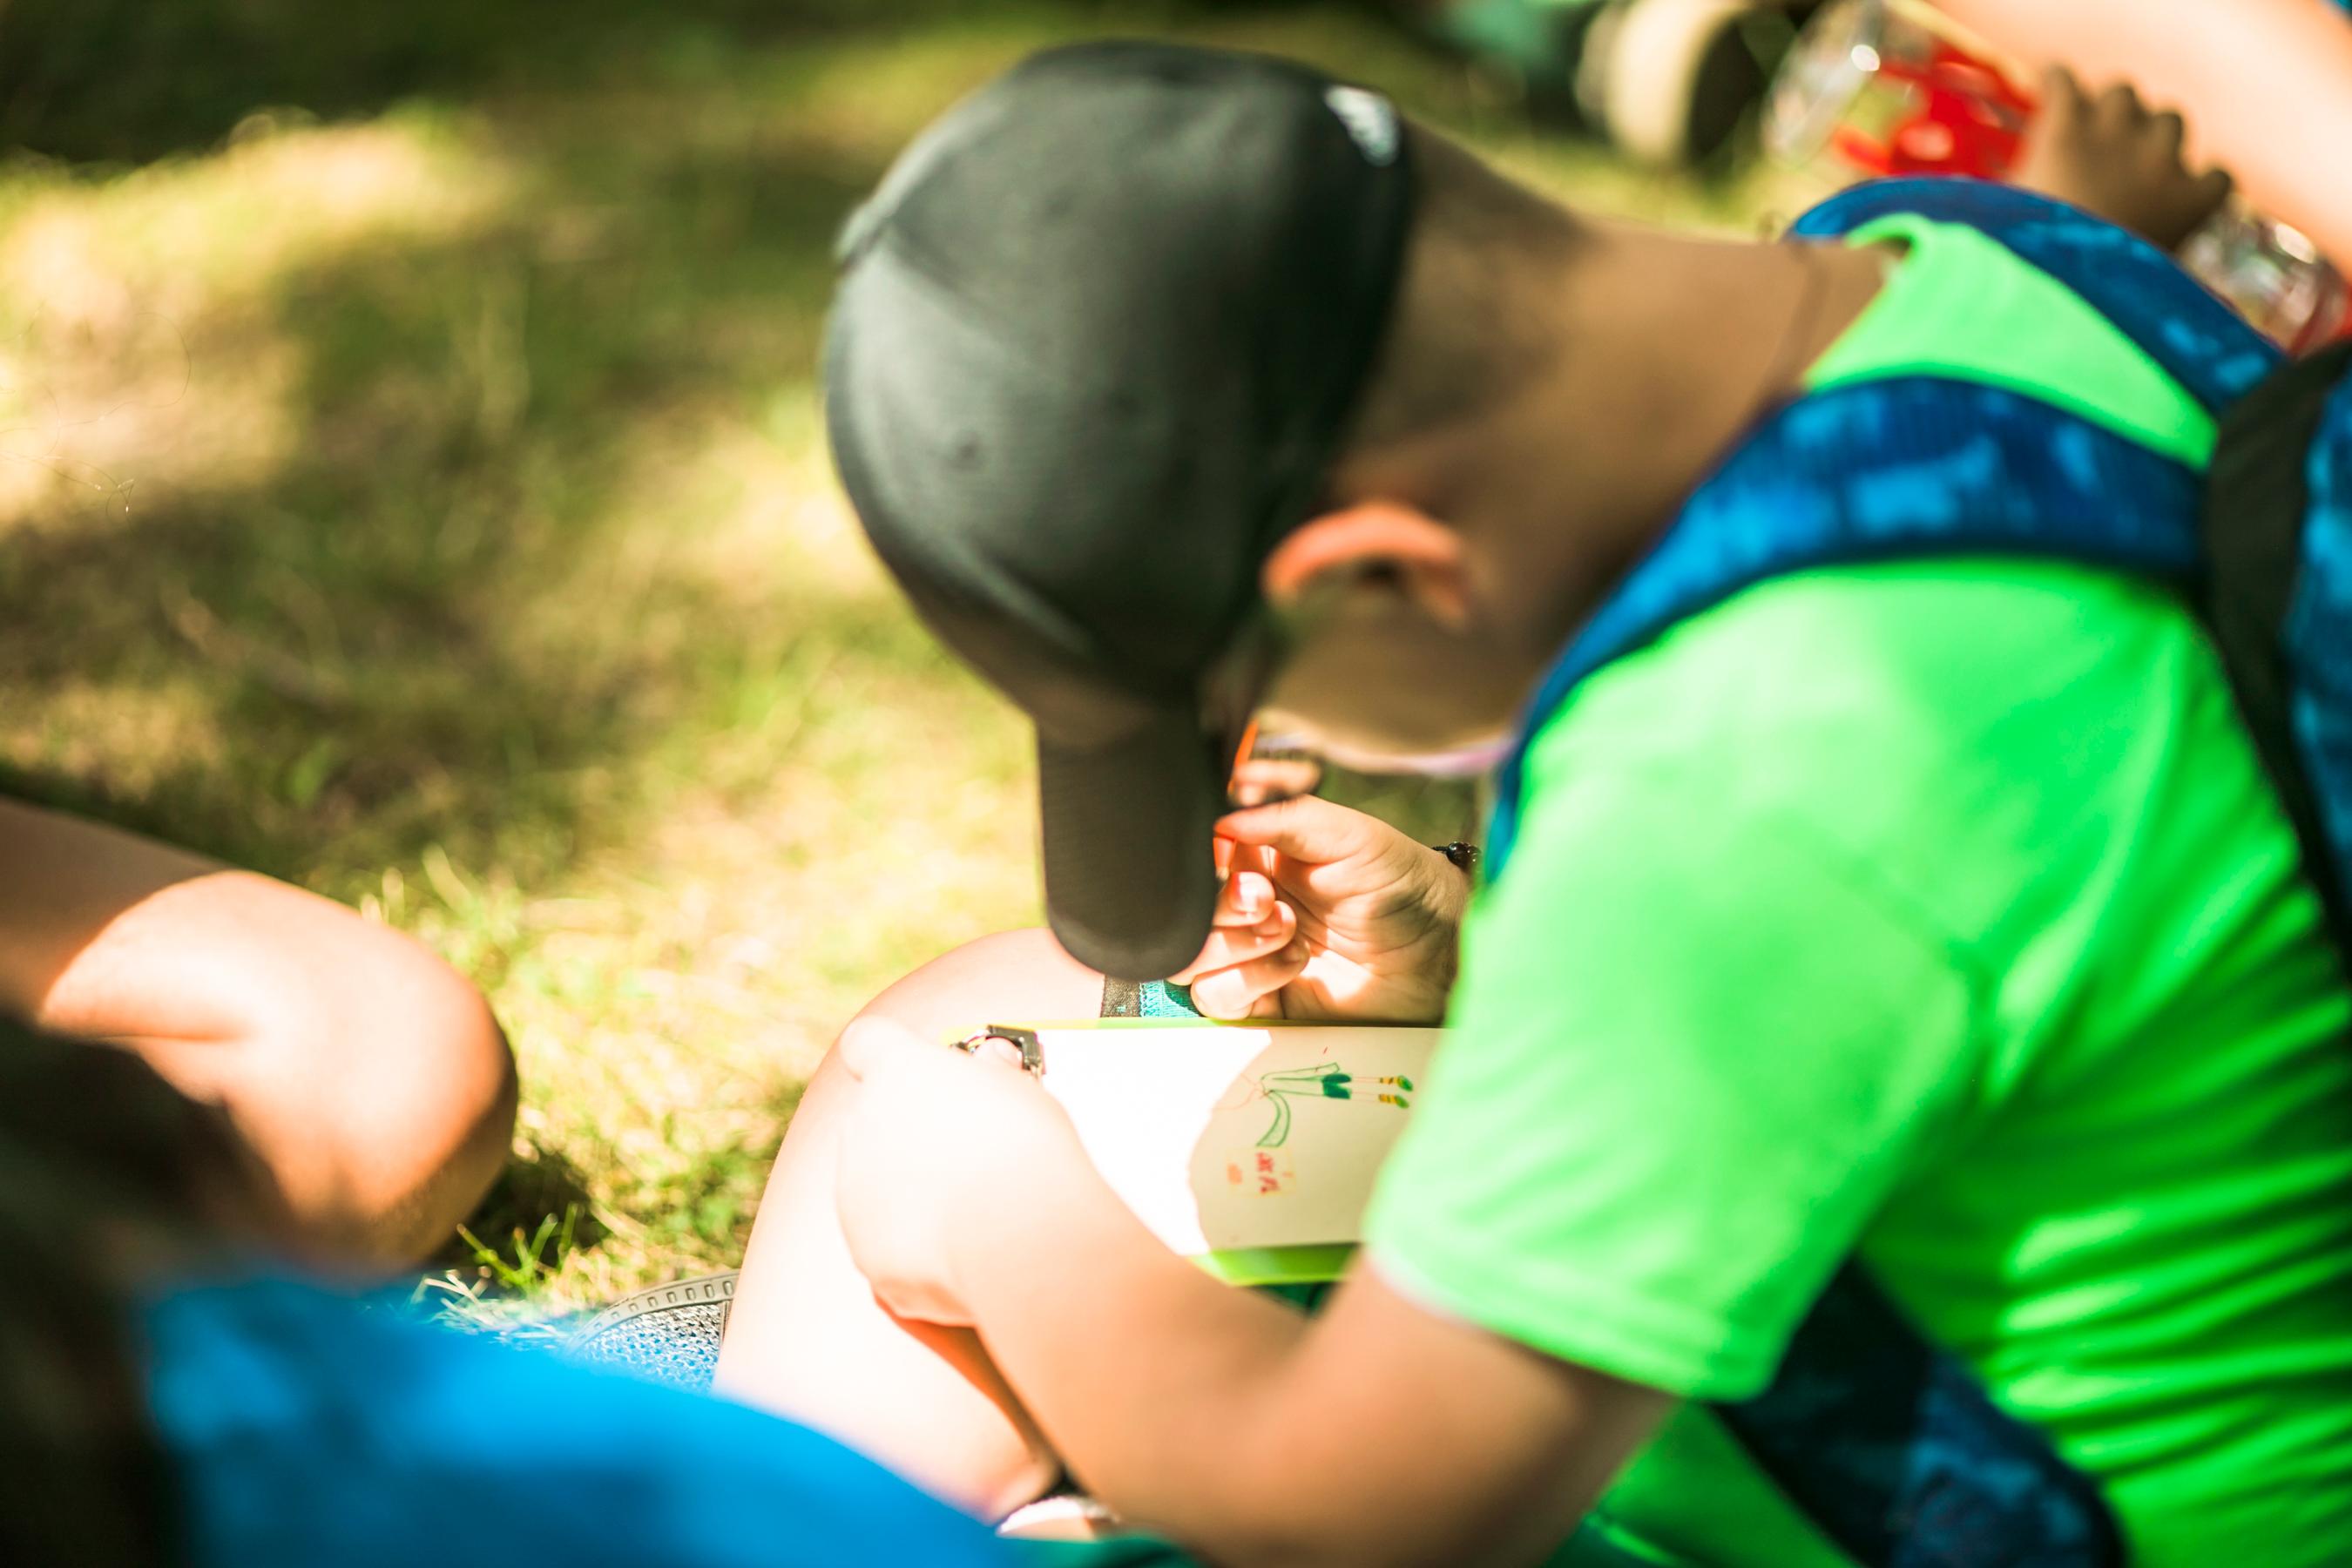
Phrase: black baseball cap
{"type": "Point", "coordinates": [1097, 339]}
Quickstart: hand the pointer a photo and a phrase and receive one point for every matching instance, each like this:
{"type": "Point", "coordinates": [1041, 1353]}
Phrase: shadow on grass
{"type": "Point", "coordinates": [417, 628]}
{"type": "Point", "coordinates": [533, 1188]}
{"type": "Point", "coordinates": [128, 80]}
{"type": "Point", "coordinates": [418, 631]}
{"type": "Point", "coordinates": [462, 621]}
{"type": "Point", "coordinates": [540, 1212]}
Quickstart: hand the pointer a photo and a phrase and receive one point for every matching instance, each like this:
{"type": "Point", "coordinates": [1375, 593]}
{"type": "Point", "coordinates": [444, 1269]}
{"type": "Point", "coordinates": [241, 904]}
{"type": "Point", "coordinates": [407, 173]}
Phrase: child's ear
{"type": "Point", "coordinates": [1423, 554]}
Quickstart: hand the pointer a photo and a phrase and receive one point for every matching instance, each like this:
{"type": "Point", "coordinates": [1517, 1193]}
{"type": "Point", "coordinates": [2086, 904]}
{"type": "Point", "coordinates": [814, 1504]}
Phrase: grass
{"type": "Point", "coordinates": [412, 486]}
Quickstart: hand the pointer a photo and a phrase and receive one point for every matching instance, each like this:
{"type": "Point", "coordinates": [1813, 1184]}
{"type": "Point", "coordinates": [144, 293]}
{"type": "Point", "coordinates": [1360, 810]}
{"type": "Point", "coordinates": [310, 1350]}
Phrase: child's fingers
{"type": "Point", "coordinates": [1247, 990]}
{"type": "Point", "coordinates": [1001, 1052]}
{"type": "Point", "coordinates": [1261, 781]}
{"type": "Point", "coordinates": [1306, 828]}
{"type": "Point", "coordinates": [2061, 94]}
{"type": "Point", "coordinates": [1246, 899]}
{"type": "Point", "coordinates": [1230, 945]}
{"type": "Point", "coordinates": [2118, 109]}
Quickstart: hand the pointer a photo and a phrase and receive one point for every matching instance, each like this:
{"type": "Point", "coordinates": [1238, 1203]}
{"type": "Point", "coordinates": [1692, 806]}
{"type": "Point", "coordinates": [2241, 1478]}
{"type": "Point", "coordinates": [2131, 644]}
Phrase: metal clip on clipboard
{"type": "Point", "coordinates": [1032, 1054]}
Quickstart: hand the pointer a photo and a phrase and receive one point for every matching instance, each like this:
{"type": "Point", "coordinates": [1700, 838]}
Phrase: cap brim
{"type": "Point", "coordinates": [1131, 869]}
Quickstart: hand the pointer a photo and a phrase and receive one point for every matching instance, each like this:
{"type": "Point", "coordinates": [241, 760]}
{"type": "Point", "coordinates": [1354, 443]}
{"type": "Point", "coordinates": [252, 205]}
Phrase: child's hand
{"type": "Point", "coordinates": [2116, 159]}
{"type": "Point", "coordinates": [936, 1142]}
{"type": "Point", "coordinates": [1329, 913]}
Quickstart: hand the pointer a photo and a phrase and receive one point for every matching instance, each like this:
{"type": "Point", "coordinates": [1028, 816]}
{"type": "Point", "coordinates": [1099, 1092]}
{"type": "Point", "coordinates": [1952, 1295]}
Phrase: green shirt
{"type": "Point", "coordinates": [1937, 911]}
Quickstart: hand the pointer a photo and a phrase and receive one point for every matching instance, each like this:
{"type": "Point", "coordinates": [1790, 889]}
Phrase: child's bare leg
{"type": "Point", "coordinates": [367, 1076]}
{"type": "Point", "coordinates": [806, 1338]}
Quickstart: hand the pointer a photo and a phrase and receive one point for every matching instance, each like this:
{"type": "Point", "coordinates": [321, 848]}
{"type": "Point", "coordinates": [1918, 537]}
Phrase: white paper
{"type": "Point", "coordinates": [1222, 1137]}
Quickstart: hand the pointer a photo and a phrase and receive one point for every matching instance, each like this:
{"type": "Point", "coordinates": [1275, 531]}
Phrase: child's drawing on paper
{"type": "Point", "coordinates": [1226, 1137]}
{"type": "Point", "coordinates": [1261, 1173]}
{"type": "Point", "coordinates": [1325, 1081]}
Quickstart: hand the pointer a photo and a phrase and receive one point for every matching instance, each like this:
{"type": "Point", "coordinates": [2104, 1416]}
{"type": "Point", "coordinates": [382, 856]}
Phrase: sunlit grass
{"type": "Point", "coordinates": [431, 509]}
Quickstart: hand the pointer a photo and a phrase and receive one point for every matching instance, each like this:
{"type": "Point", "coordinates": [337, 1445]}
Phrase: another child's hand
{"type": "Point", "coordinates": [1329, 913]}
{"type": "Point", "coordinates": [935, 1142]}
{"type": "Point", "coordinates": [2116, 158]}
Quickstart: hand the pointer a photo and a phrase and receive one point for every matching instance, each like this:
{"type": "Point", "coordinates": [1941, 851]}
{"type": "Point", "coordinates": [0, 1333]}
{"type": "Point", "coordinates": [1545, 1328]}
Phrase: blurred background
{"type": "Point", "coordinates": [412, 486]}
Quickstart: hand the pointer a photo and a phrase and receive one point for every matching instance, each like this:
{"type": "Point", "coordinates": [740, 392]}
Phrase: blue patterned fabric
{"type": "Point", "coordinates": [302, 1429]}
{"type": "Point", "coordinates": [1951, 466]}
{"type": "Point", "coordinates": [1164, 1000]}
{"type": "Point", "coordinates": [2200, 342]}
{"type": "Point", "coordinates": [1885, 469]}
{"type": "Point", "coordinates": [2319, 631]}
{"type": "Point", "coordinates": [1889, 1443]}
{"type": "Point", "coordinates": [1896, 1452]}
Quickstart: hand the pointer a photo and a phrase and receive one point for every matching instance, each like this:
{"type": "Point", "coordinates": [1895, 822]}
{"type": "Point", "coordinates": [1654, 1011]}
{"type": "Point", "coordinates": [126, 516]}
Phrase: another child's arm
{"type": "Point", "coordinates": [2114, 156]}
{"type": "Point", "coordinates": [1378, 1433]}
{"type": "Point", "coordinates": [2265, 85]}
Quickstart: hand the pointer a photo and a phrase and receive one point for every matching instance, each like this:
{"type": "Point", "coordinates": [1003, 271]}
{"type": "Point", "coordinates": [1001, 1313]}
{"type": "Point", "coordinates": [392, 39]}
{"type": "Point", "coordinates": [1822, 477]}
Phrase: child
{"type": "Point", "coordinates": [1887, 919]}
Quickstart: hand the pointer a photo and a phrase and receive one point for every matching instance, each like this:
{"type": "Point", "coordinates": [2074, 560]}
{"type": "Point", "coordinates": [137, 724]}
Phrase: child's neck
{"type": "Point", "coordinates": [1672, 348]}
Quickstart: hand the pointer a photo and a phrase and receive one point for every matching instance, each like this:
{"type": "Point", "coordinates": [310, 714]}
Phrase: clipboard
{"type": "Point", "coordinates": [1250, 1147]}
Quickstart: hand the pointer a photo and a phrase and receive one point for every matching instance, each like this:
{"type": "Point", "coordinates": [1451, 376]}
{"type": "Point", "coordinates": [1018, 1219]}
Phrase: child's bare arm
{"type": "Point", "coordinates": [1378, 1433]}
{"type": "Point", "coordinates": [2265, 85]}
{"type": "Point", "coordinates": [2117, 158]}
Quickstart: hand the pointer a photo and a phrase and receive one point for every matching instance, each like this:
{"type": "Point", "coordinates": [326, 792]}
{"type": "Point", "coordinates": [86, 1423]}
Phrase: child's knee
{"type": "Point", "coordinates": [1004, 978]}
{"type": "Point", "coordinates": [482, 1088]}
{"type": "Point", "coordinates": [459, 1091]}
{"type": "Point", "coordinates": [807, 1339]}
{"type": "Point", "coordinates": [389, 1092]}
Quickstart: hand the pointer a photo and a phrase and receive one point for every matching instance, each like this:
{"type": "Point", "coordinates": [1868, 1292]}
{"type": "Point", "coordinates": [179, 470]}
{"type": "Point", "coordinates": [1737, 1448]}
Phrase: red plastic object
{"type": "Point", "coordinates": [1968, 119]}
